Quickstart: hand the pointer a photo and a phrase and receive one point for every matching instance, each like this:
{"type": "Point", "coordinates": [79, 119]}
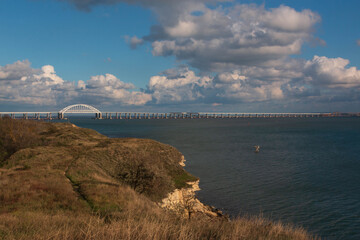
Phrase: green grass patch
{"type": "Point", "coordinates": [181, 179]}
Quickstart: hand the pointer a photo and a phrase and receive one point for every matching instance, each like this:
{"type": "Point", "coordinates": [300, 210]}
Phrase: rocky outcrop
{"type": "Point", "coordinates": [184, 202]}
{"type": "Point", "coordinates": [182, 161]}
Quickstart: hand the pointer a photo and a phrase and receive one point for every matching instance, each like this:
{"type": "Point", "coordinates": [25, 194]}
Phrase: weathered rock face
{"type": "Point", "coordinates": [184, 202]}
{"type": "Point", "coordinates": [182, 161]}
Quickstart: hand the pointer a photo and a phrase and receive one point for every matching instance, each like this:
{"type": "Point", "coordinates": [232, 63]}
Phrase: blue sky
{"type": "Point", "coordinates": [58, 52]}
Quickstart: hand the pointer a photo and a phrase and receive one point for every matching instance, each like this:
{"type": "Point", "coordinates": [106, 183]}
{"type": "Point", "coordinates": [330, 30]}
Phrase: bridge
{"type": "Point", "coordinates": [79, 109]}
{"type": "Point", "coordinates": [72, 109]}
{"type": "Point", "coordinates": [87, 109]}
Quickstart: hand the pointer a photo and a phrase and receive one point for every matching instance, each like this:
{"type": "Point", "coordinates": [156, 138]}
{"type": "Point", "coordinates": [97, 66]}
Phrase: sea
{"type": "Point", "coordinates": [307, 172]}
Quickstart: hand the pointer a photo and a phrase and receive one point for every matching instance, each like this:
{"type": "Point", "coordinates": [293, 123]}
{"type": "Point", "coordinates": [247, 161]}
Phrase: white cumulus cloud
{"type": "Point", "coordinates": [108, 81]}
{"type": "Point", "coordinates": [177, 85]}
{"type": "Point", "coordinates": [228, 38]}
{"type": "Point", "coordinates": [22, 84]}
{"type": "Point", "coordinates": [332, 72]}
{"type": "Point", "coordinates": [183, 85]}
{"type": "Point", "coordinates": [16, 70]}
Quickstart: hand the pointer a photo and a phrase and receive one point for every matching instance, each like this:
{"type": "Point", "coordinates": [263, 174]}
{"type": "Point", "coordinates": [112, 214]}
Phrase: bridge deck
{"type": "Point", "coordinates": [87, 109]}
{"type": "Point", "coordinates": [164, 115]}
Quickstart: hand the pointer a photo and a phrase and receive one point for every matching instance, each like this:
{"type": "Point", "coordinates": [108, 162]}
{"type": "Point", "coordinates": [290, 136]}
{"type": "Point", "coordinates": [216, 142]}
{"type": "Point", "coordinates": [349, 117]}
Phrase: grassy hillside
{"type": "Point", "coordinates": [58, 181]}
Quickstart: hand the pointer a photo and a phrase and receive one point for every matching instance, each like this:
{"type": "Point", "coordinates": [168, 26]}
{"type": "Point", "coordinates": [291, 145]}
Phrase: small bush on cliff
{"type": "Point", "coordinates": [19, 134]}
{"type": "Point", "coordinates": [137, 176]}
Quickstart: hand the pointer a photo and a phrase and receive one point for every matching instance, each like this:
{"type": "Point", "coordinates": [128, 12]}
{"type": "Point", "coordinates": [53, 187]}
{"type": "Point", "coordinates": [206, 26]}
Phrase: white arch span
{"type": "Point", "coordinates": [79, 108]}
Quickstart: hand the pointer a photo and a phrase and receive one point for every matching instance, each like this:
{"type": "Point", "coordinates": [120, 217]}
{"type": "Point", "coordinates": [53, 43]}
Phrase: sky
{"type": "Point", "coordinates": [170, 55]}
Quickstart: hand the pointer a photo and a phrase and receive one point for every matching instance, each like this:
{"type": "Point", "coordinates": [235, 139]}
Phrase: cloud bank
{"type": "Point", "coordinates": [19, 83]}
{"type": "Point", "coordinates": [221, 39]}
{"type": "Point", "coordinates": [318, 79]}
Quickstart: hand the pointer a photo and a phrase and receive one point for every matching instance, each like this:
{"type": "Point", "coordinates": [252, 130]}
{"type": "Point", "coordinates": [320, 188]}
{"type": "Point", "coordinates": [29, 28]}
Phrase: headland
{"type": "Point", "coordinates": [59, 181]}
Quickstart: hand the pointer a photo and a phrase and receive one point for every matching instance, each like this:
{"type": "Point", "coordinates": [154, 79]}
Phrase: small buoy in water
{"type": "Point", "coordinates": [257, 148]}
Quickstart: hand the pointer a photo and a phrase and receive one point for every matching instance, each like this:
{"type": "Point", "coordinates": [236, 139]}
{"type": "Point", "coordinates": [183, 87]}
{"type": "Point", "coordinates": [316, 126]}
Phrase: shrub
{"type": "Point", "coordinates": [19, 134]}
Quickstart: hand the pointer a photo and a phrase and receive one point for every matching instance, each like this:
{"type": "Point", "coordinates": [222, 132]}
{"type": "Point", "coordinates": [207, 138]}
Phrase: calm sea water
{"type": "Point", "coordinates": [307, 172]}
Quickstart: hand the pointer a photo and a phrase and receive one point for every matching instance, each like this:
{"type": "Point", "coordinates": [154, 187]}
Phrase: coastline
{"type": "Point", "coordinates": [185, 203]}
{"type": "Point", "coordinates": [66, 182]}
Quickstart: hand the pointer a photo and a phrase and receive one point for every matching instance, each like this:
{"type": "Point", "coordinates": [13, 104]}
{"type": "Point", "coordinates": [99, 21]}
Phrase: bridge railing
{"type": "Point", "coordinates": [164, 115]}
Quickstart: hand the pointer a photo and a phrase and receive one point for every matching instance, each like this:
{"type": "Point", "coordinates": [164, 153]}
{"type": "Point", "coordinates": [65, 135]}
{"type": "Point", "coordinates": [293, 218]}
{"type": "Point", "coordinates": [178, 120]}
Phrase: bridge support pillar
{"type": "Point", "coordinates": [98, 115]}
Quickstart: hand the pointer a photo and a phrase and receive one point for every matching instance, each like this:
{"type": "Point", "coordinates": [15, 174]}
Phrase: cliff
{"type": "Point", "coordinates": [59, 181]}
{"type": "Point", "coordinates": [184, 202]}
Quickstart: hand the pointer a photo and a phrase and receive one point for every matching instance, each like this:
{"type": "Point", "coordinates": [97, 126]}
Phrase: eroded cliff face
{"type": "Point", "coordinates": [182, 161]}
{"type": "Point", "coordinates": [184, 202]}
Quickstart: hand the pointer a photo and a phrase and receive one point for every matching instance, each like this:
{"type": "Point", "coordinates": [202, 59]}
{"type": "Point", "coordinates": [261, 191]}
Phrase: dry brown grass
{"type": "Point", "coordinates": [37, 225]}
{"type": "Point", "coordinates": [73, 183]}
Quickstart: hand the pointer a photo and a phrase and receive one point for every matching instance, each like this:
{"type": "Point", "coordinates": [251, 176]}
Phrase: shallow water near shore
{"type": "Point", "coordinates": [307, 171]}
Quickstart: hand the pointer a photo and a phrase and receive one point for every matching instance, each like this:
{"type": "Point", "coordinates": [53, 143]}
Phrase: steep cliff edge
{"type": "Point", "coordinates": [184, 202]}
